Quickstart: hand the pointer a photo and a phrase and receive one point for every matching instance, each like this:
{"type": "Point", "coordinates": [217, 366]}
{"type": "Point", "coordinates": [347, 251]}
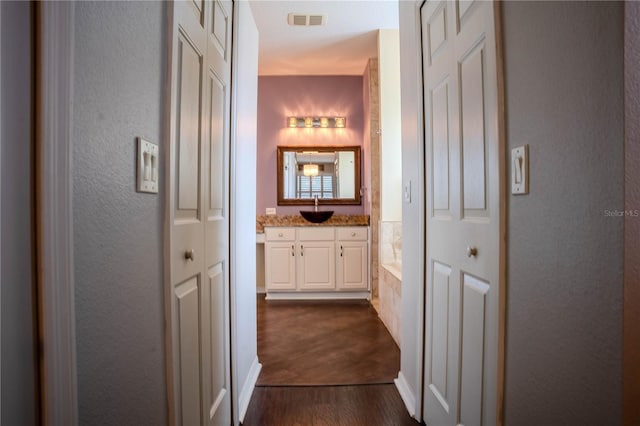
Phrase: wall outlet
{"type": "Point", "coordinates": [271, 211]}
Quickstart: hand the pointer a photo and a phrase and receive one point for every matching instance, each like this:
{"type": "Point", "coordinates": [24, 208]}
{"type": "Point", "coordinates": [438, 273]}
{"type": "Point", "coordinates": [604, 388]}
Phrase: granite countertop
{"type": "Point", "coordinates": [297, 220]}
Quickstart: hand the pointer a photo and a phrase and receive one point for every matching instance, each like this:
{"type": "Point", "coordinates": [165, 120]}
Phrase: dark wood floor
{"type": "Point", "coordinates": [324, 343]}
{"type": "Point", "coordinates": [364, 405]}
{"type": "Point", "coordinates": [343, 344]}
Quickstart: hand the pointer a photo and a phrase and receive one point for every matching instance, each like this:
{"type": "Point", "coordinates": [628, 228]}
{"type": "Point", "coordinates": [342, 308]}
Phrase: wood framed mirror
{"type": "Point", "coordinates": [332, 173]}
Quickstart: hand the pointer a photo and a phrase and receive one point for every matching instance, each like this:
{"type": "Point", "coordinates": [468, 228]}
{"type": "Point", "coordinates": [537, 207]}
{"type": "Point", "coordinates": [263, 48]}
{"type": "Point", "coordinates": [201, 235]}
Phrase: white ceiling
{"type": "Point", "coordinates": [341, 47]}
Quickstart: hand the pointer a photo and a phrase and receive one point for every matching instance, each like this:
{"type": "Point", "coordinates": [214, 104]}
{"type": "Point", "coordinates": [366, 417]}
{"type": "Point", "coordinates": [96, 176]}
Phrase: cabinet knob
{"type": "Point", "coordinates": [190, 255]}
{"type": "Point", "coordinates": [472, 251]}
{"type": "Point", "coordinates": [353, 234]}
{"type": "Point", "coordinates": [279, 234]}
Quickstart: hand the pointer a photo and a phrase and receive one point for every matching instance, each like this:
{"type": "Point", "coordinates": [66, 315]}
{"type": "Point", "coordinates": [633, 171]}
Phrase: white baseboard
{"type": "Point", "coordinates": [247, 388]}
{"type": "Point", "coordinates": [321, 295]}
{"type": "Point", "coordinates": [406, 394]}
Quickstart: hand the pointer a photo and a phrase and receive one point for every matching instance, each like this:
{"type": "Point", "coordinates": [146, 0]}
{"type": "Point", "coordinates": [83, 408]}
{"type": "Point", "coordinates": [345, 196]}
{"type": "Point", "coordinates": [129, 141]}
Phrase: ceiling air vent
{"type": "Point", "coordinates": [303, 20]}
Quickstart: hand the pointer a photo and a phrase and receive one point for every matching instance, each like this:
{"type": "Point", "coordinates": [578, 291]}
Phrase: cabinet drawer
{"type": "Point", "coordinates": [319, 233]}
{"type": "Point", "coordinates": [280, 234]}
{"type": "Point", "coordinates": [353, 234]}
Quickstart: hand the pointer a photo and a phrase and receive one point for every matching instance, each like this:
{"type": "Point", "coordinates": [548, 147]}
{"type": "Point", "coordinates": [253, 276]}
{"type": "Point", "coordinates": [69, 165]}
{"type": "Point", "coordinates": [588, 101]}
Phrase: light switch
{"type": "Point", "coordinates": [148, 164]}
{"type": "Point", "coordinates": [270, 211]}
{"type": "Point", "coordinates": [407, 192]}
{"type": "Point", "coordinates": [520, 170]}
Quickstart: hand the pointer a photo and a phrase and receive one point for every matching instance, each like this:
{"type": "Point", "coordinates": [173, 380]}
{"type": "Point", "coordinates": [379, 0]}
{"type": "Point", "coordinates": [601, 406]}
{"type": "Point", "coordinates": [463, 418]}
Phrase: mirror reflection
{"type": "Point", "coordinates": [330, 173]}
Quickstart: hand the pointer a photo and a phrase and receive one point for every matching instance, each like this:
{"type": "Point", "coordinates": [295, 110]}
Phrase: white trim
{"type": "Point", "coordinates": [233, 284]}
{"type": "Point", "coordinates": [416, 399]}
{"type": "Point", "coordinates": [421, 193]}
{"type": "Point", "coordinates": [318, 295]}
{"type": "Point", "coordinates": [55, 215]}
{"type": "Point", "coordinates": [244, 397]}
{"type": "Point", "coordinates": [408, 397]}
{"type": "Point", "coordinates": [0, 209]}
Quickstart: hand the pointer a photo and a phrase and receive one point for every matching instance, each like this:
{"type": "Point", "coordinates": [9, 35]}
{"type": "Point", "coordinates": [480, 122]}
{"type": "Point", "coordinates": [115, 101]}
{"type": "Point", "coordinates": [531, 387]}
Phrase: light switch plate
{"type": "Point", "coordinates": [407, 192]}
{"type": "Point", "coordinates": [148, 166]}
{"type": "Point", "coordinates": [271, 211]}
{"type": "Point", "coordinates": [520, 170]}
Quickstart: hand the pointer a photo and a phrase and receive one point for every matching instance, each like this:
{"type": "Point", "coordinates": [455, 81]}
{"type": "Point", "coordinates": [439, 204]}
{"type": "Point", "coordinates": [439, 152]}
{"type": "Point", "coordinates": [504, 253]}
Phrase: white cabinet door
{"type": "Point", "coordinates": [280, 266]}
{"type": "Point", "coordinates": [352, 265]}
{"type": "Point", "coordinates": [316, 265]}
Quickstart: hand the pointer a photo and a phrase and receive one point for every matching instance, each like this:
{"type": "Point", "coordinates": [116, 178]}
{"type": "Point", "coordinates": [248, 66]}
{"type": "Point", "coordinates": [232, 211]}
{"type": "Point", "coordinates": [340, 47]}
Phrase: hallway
{"type": "Point", "coordinates": [86, 277]}
{"type": "Point", "coordinates": [325, 363]}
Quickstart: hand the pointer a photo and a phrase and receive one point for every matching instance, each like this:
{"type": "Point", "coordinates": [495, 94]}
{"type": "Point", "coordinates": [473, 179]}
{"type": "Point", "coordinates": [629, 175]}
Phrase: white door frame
{"type": "Point", "coordinates": [54, 86]}
{"type": "Point", "coordinates": [412, 221]}
{"type": "Point", "coordinates": [0, 210]}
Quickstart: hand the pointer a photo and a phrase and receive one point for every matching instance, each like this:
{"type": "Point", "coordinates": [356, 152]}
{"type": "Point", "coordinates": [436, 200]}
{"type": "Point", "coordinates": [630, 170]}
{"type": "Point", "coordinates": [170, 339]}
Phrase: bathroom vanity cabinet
{"type": "Point", "coordinates": [320, 262]}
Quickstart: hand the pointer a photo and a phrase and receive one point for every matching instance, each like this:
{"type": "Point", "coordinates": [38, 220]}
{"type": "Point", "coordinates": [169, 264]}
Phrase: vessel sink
{"type": "Point", "coordinates": [316, 217]}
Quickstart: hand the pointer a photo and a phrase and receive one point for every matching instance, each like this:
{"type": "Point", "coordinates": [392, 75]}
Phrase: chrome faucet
{"type": "Point", "coordinates": [316, 202]}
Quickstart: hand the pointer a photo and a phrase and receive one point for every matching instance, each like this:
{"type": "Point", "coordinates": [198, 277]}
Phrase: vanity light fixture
{"type": "Point", "coordinates": [316, 122]}
{"type": "Point", "coordinates": [310, 170]}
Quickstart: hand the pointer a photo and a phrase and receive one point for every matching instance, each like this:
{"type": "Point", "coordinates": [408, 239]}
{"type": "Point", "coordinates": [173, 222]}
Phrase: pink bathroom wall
{"type": "Point", "coordinates": [282, 96]}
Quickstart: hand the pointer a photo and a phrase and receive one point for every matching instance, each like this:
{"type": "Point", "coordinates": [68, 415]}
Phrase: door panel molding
{"type": "Point", "coordinates": [186, 298]}
{"type": "Point", "coordinates": [188, 136]}
{"type": "Point", "coordinates": [218, 129]}
{"type": "Point", "coordinates": [439, 300]}
{"type": "Point", "coordinates": [472, 122]}
{"type": "Point", "coordinates": [437, 31]}
{"type": "Point", "coordinates": [439, 99]}
{"type": "Point", "coordinates": [474, 301]}
{"type": "Point", "coordinates": [220, 29]}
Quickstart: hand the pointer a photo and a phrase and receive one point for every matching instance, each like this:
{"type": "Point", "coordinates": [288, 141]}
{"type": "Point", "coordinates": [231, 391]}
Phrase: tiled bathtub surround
{"type": "Point", "coordinates": [389, 301]}
{"type": "Point", "coordinates": [371, 164]}
{"type": "Point", "coordinates": [390, 277]}
{"type": "Point", "coordinates": [297, 220]}
{"type": "Point", "coordinates": [390, 243]}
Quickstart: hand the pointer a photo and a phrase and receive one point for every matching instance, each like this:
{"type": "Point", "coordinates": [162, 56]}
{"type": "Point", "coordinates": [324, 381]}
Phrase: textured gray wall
{"type": "Point", "coordinates": [631, 373]}
{"type": "Point", "coordinates": [564, 97]}
{"type": "Point", "coordinates": [19, 388]}
{"type": "Point", "coordinates": [118, 235]}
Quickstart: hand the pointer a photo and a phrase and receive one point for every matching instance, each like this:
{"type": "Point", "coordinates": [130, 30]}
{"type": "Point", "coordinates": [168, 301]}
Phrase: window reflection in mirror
{"type": "Point", "coordinates": [330, 173]}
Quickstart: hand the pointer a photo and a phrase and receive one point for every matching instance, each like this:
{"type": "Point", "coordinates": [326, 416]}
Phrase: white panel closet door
{"type": "Point", "coordinates": [463, 214]}
{"type": "Point", "coordinates": [198, 311]}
